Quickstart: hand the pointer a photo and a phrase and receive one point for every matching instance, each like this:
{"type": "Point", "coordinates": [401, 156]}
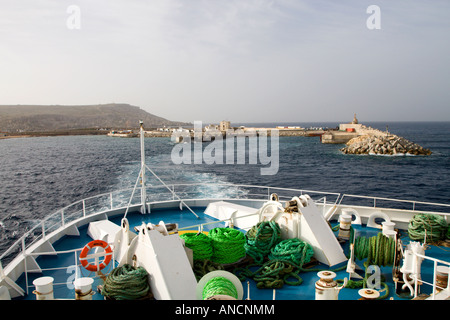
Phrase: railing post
{"type": "Point", "coordinates": [76, 265]}
{"type": "Point", "coordinates": [111, 200]}
{"type": "Point", "coordinates": [43, 229]}
{"type": "Point", "coordinates": [84, 208]}
{"type": "Point", "coordinates": [62, 217]}
{"type": "Point", "coordinates": [434, 279]}
{"type": "Point", "coordinates": [23, 245]}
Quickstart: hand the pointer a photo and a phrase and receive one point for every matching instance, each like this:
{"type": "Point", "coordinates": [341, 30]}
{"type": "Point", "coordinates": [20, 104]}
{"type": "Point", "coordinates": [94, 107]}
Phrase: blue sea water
{"type": "Point", "coordinates": [43, 174]}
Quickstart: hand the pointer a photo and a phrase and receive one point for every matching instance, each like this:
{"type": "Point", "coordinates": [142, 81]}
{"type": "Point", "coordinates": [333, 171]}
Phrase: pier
{"type": "Point", "coordinates": [348, 131]}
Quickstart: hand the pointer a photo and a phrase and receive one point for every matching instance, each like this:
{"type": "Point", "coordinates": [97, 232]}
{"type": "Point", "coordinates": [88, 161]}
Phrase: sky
{"type": "Point", "coordinates": [236, 60]}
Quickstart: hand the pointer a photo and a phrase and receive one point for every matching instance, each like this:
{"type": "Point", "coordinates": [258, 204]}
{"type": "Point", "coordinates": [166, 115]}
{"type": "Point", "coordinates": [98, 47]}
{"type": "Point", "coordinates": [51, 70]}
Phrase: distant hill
{"type": "Point", "coordinates": [42, 118]}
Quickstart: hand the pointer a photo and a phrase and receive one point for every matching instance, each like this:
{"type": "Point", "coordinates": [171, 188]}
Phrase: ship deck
{"type": "Point", "coordinates": [64, 276]}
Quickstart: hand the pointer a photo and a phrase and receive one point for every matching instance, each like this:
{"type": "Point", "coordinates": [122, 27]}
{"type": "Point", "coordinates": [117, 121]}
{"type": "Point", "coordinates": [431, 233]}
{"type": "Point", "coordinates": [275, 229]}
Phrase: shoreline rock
{"type": "Point", "coordinates": [388, 144]}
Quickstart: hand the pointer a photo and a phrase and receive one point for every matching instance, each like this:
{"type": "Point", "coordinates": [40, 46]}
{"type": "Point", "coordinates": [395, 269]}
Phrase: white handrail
{"type": "Point", "coordinates": [413, 202]}
{"type": "Point", "coordinates": [76, 265]}
{"type": "Point", "coordinates": [265, 190]}
{"type": "Point", "coordinates": [435, 262]}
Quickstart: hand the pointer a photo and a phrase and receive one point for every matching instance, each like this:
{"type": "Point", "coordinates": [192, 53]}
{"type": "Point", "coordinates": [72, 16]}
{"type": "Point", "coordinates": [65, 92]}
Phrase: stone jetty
{"type": "Point", "coordinates": [383, 144]}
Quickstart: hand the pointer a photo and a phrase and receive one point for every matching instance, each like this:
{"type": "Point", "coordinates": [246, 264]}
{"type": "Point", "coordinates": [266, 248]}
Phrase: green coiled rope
{"type": "Point", "coordinates": [261, 238]}
{"type": "Point", "coordinates": [434, 226]}
{"type": "Point", "coordinates": [228, 245]}
{"type": "Point", "coordinates": [126, 283]}
{"type": "Point", "coordinates": [219, 286]}
{"type": "Point", "coordinates": [200, 244]}
{"type": "Point", "coordinates": [294, 250]}
{"type": "Point", "coordinates": [379, 250]}
{"type": "Point", "coordinates": [286, 261]}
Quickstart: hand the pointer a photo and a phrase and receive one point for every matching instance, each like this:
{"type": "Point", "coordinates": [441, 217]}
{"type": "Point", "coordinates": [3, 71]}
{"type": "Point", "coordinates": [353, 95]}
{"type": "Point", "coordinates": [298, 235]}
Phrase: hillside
{"type": "Point", "coordinates": [42, 118]}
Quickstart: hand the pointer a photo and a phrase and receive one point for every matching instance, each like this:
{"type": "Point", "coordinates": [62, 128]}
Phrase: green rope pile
{"type": "Point", "coordinates": [200, 244]}
{"type": "Point", "coordinates": [434, 226]}
{"type": "Point", "coordinates": [272, 275]}
{"type": "Point", "coordinates": [227, 244]}
{"type": "Point", "coordinates": [378, 250]}
{"type": "Point", "coordinates": [202, 267]}
{"type": "Point", "coordinates": [126, 283]}
{"type": "Point", "coordinates": [294, 250]}
{"type": "Point", "coordinates": [261, 238]}
{"type": "Point", "coordinates": [219, 286]}
{"type": "Point", "coordinates": [285, 262]}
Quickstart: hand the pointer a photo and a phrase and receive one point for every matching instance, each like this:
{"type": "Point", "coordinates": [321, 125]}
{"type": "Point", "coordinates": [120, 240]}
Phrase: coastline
{"type": "Point", "coordinates": [152, 133]}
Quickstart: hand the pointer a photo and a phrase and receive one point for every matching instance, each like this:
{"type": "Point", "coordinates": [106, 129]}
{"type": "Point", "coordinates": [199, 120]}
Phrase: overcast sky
{"type": "Point", "coordinates": [236, 60]}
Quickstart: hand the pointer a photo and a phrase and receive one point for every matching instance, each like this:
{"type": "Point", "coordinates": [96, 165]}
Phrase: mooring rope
{"type": "Point", "coordinates": [219, 286]}
{"type": "Point", "coordinates": [202, 267]}
{"type": "Point", "coordinates": [272, 274]}
{"type": "Point", "coordinates": [261, 238]}
{"type": "Point", "coordinates": [294, 250]}
{"type": "Point", "coordinates": [432, 226]}
{"type": "Point", "coordinates": [200, 244]}
{"type": "Point", "coordinates": [286, 260]}
{"type": "Point", "coordinates": [378, 250]}
{"type": "Point", "coordinates": [228, 245]}
{"type": "Point", "coordinates": [126, 283]}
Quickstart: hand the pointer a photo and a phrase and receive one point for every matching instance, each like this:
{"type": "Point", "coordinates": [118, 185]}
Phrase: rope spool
{"type": "Point", "coordinates": [294, 250]}
{"type": "Point", "coordinates": [200, 244]}
{"type": "Point", "coordinates": [219, 285]}
{"type": "Point", "coordinates": [261, 238]}
{"type": "Point", "coordinates": [379, 250]}
{"type": "Point", "coordinates": [127, 283]}
{"type": "Point", "coordinates": [427, 227]}
{"type": "Point", "coordinates": [227, 244]}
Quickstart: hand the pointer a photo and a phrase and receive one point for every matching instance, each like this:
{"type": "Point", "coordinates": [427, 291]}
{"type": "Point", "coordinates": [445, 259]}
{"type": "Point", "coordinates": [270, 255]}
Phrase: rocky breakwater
{"type": "Point", "coordinates": [387, 144]}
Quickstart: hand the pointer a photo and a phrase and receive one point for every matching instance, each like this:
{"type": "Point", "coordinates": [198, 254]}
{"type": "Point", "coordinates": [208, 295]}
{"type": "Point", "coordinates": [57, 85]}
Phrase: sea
{"type": "Point", "coordinates": [41, 175]}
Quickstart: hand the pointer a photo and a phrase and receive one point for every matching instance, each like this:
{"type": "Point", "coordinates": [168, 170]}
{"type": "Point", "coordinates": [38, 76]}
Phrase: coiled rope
{"type": "Point", "coordinates": [379, 250]}
{"type": "Point", "coordinates": [272, 275]}
{"type": "Point", "coordinates": [261, 238]}
{"type": "Point", "coordinates": [127, 283]}
{"type": "Point", "coordinates": [294, 250]}
{"type": "Point", "coordinates": [228, 245]}
{"type": "Point", "coordinates": [200, 244]}
{"type": "Point", "coordinates": [433, 227]}
{"type": "Point", "coordinates": [286, 261]}
{"type": "Point", "coordinates": [202, 267]}
{"type": "Point", "coordinates": [219, 286]}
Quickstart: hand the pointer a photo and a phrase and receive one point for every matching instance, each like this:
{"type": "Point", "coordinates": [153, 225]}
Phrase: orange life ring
{"type": "Point", "coordinates": [89, 246]}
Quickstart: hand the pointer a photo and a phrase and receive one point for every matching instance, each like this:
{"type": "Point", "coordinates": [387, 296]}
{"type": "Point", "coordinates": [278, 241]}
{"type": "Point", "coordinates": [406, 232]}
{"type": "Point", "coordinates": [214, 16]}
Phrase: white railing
{"type": "Point", "coordinates": [412, 204]}
{"type": "Point", "coordinates": [434, 285]}
{"type": "Point", "coordinates": [76, 267]}
{"type": "Point", "coordinates": [120, 199]}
